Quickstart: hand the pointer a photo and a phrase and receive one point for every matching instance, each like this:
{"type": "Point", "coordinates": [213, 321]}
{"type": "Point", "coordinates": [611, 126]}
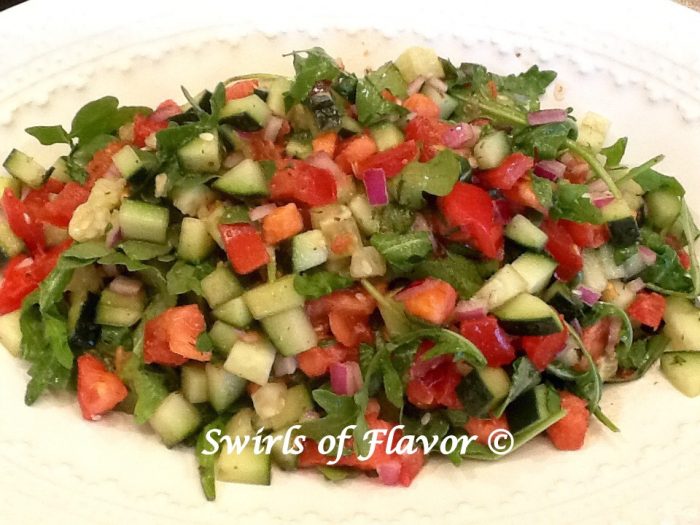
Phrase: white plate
{"type": "Point", "coordinates": [639, 65]}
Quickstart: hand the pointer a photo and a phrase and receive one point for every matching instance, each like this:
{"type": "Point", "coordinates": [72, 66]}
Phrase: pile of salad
{"type": "Point", "coordinates": [423, 245]}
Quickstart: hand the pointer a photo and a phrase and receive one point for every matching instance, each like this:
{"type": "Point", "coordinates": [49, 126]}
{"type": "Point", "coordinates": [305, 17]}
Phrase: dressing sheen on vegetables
{"type": "Point", "coordinates": [423, 246]}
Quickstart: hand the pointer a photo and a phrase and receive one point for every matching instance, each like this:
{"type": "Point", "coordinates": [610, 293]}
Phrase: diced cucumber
{"type": "Point", "coordinates": [10, 333]}
{"type": "Point", "coordinates": [220, 286]}
{"type": "Point", "coordinates": [25, 168]}
{"type": "Point", "coordinates": [223, 336]}
{"type": "Point", "coordinates": [419, 61]}
{"type": "Point", "coordinates": [491, 150]}
{"type": "Point", "coordinates": [175, 419]}
{"type": "Point", "coordinates": [623, 227]}
{"type": "Point", "coordinates": [84, 331]}
{"type": "Point", "coordinates": [682, 323]}
{"type": "Point", "coordinates": [10, 244]}
{"type": "Point", "coordinates": [245, 179]}
{"type": "Point", "coordinates": [190, 199]}
{"type": "Point", "coordinates": [243, 467]}
{"type": "Point", "coordinates": [386, 135]}
{"type": "Point", "coordinates": [194, 383]}
{"type": "Point", "coordinates": [536, 269]}
{"type": "Point", "coordinates": [273, 298]}
{"type": "Point", "coordinates": [364, 214]}
{"type": "Point", "coordinates": [249, 113]}
{"type": "Point", "coordinates": [290, 331]}
{"type": "Point", "coordinates": [345, 229]}
{"type": "Point", "coordinates": [299, 146]}
{"type": "Point", "coordinates": [234, 312]}
{"type": "Point", "coordinates": [367, 262]}
{"type": "Point", "coordinates": [445, 102]}
{"type": "Point", "coordinates": [12, 183]}
{"type": "Point", "coordinates": [141, 221]}
{"type": "Point", "coordinates": [309, 249]}
{"type": "Point", "coordinates": [275, 96]}
{"type": "Point", "coordinates": [528, 315]}
{"type": "Point", "coordinates": [59, 171]}
{"type": "Point", "coordinates": [202, 154]}
{"type": "Point", "coordinates": [297, 403]}
{"type": "Point", "coordinates": [663, 208]}
{"type": "Point", "coordinates": [594, 274]}
{"type": "Point", "coordinates": [223, 388]}
{"type": "Point", "coordinates": [532, 406]}
{"type": "Point", "coordinates": [559, 296]}
{"type": "Point", "coordinates": [682, 369]}
{"type": "Point", "coordinates": [279, 458]}
{"type": "Point", "coordinates": [324, 108]}
{"type": "Point", "coordinates": [119, 310]}
{"type": "Point", "coordinates": [134, 163]}
{"type": "Point", "coordinates": [592, 131]}
{"type": "Point", "coordinates": [195, 242]}
{"type": "Point", "coordinates": [505, 284]}
{"type": "Point", "coordinates": [521, 230]}
{"type": "Point", "coordinates": [251, 360]}
{"type": "Point", "coordinates": [349, 127]}
{"type": "Point", "coordinates": [482, 389]}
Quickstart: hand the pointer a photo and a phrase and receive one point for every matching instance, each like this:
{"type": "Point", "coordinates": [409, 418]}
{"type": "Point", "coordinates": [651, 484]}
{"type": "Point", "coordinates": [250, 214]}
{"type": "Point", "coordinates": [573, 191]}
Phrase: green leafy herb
{"type": "Point", "coordinates": [396, 219]}
{"type": "Point", "coordinates": [183, 278]}
{"type": "Point", "coordinates": [207, 462]}
{"type": "Point", "coordinates": [144, 251]}
{"type": "Point", "coordinates": [651, 180]}
{"type": "Point", "coordinates": [149, 387]}
{"type": "Point", "coordinates": [446, 342]}
{"type": "Point", "coordinates": [524, 377]}
{"type": "Point", "coordinates": [403, 251]}
{"type": "Point", "coordinates": [388, 77]}
{"type": "Point", "coordinates": [667, 272]}
{"type": "Point", "coordinates": [372, 108]}
{"type": "Point", "coordinates": [603, 309]}
{"type": "Point", "coordinates": [311, 66]}
{"type": "Point", "coordinates": [80, 156]}
{"type": "Point", "coordinates": [204, 343]}
{"type": "Point", "coordinates": [341, 411]}
{"type": "Point", "coordinates": [573, 202]}
{"type": "Point", "coordinates": [460, 272]}
{"type": "Point", "coordinates": [101, 116]}
{"type": "Point", "coordinates": [613, 154]}
{"type": "Point", "coordinates": [150, 275]}
{"type": "Point", "coordinates": [395, 319]}
{"type": "Point", "coordinates": [48, 135]}
{"type": "Point", "coordinates": [436, 177]}
{"type": "Point", "coordinates": [543, 191]}
{"type": "Point", "coordinates": [638, 359]}
{"type": "Point", "coordinates": [544, 141]}
{"type": "Point", "coordinates": [313, 285]}
{"type": "Point", "coordinates": [529, 85]}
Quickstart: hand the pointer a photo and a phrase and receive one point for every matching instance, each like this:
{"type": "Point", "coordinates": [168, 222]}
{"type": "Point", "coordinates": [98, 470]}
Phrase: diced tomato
{"type": "Point", "coordinates": [512, 169]}
{"type": "Point", "coordinates": [99, 390]}
{"type": "Point", "coordinates": [345, 313]}
{"type": "Point", "coordinates": [304, 184]}
{"type": "Point", "coordinates": [354, 151]}
{"type": "Point", "coordinates": [429, 133]}
{"type": "Point", "coordinates": [343, 244]}
{"type": "Point", "coordinates": [433, 382]}
{"type": "Point", "coordinates": [244, 247]}
{"type": "Point", "coordinates": [471, 209]}
{"type": "Point", "coordinates": [282, 223]}
{"type": "Point", "coordinates": [392, 161]}
{"type": "Point", "coordinates": [101, 162]}
{"type": "Point", "coordinates": [241, 89]}
{"type": "Point", "coordinates": [586, 235]}
{"type": "Point", "coordinates": [569, 432]}
{"type": "Point", "coordinates": [59, 210]}
{"type": "Point", "coordinates": [483, 428]}
{"type": "Point", "coordinates": [263, 149]}
{"type": "Point", "coordinates": [327, 142]}
{"type": "Point", "coordinates": [165, 110]}
{"type": "Point", "coordinates": [316, 361]}
{"type": "Point", "coordinates": [490, 338]}
{"type": "Point", "coordinates": [171, 338]}
{"type": "Point", "coordinates": [648, 308]}
{"type": "Point", "coordinates": [23, 274]}
{"type": "Point", "coordinates": [577, 169]}
{"type": "Point", "coordinates": [565, 251]}
{"type": "Point", "coordinates": [683, 258]}
{"type": "Point", "coordinates": [542, 349]}
{"type": "Point", "coordinates": [22, 223]}
{"type": "Point", "coordinates": [349, 330]}
{"type": "Point", "coordinates": [423, 106]}
{"type": "Point", "coordinates": [431, 299]}
{"type": "Point", "coordinates": [595, 337]}
{"type": "Point", "coordinates": [522, 194]}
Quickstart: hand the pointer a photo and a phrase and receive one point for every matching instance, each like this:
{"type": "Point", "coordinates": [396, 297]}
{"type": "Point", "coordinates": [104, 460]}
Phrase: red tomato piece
{"type": "Point", "coordinates": [244, 247]}
{"type": "Point", "coordinates": [431, 299]}
{"type": "Point", "coordinates": [542, 349]}
{"type": "Point", "coordinates": [349, 330]}
{"type": "Point", "coordinates": [171, 338]}
{"type": "Point", "coordinates": [423, 106]}
{"type": "Point", "coordinates": [595, 337]}
{"type": "Point", "coordinates": [433, 382]}
{"type": "Point", "coordinates": [648, 308]}
{"type": "Point", "coordinates": [569, 432]}
{"type": "Point", "coordinates": [101, 162]}
{"type": "Point", "coordinates": [586, 235]}
{"type": "Point", "coordinates": [316, 361]}
{"type": "Point", "coordinates": [565, 251]}
{"type": "Point", "coordinates": [490, 338]}
{"type": "Point", "coordinates": [99, 390]}
{"type": "Point", "coordinates": [471, 209]}
{"type": "Point", "coordinates": [241, 89]}
{"type": "Point", "coordinates": [522, 194]}
{"type": "Point", "coordinates": [429, 133]}
{"type": "Point", "coordinates": [60, 211]}
{"type": "Point", "coordinates": [392, 161]}
{"type": "Point", "coordinates": [512, 169]}
{"type": "Point", "coordinates": [345, 313]}
{"type": "Point", "coordinates": [22, 223]}
{"type": "Point", "coordinates": [482, 428]}
{"type": "Point", "coordinates": [304, 184]}
{"type": "Point", "coordinates": [353, 151]}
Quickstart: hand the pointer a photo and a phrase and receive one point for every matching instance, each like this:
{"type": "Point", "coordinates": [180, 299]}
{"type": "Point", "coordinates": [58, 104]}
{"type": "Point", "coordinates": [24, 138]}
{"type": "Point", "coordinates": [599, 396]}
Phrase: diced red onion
{"type": "Point", "coordinates": [164, 112]}
{"type": "Point", "coordinates": [376, 186]}
{"type": "Point", "coordinates": [600, 200]}
{"type": "Point", "coordinates": [346, 378]}
{"type": "Point", "coordinates": [588, 296]}
{"type": "Point", "coordinates": [261, 212]}
{"type": "Point", "coordinates": [125, 286]}
{"type": "Point", "coordinates": [613, 335]}
{"type": "Point", "coordinates": [112, 172]}
{"type": "Point", "coordinates": [323, 160]}
{"type": "Point", "coordinates": [457, 136]}
{"type": "Point", "coordinates": [233, 159]}
{"type": "Point", "coordinates": [648, 255]}
{"type": "Point", "coordinates": [389, 472]}
{"type": "Point", "coordinates": [546, 116]}
{"type": "Point", "coordinates": [111, 270]}
{"type": "Point", "coordinates": [113, 237]}
{"type": "Point", "coordinates": [550, 169]}
{"type": "Point", "coordinates": [470, 309]}
{"type": "Point", "coordinates": [414, 87]}
{"type": "Point", "coordinates": [437, 84]}
{"type": "Point", "coordinates": [284, 366]}
{"type": "Point", "coordinates": [637, 285]}
{"type": "Point", "coordinates": [420, 224]}
{"type": "Point", "coordinates": [272, 128]}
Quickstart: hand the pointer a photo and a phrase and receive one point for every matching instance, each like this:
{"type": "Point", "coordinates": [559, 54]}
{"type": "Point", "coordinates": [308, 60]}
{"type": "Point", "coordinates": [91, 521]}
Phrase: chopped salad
{"type": "Point", "coordinates": [423, 245]}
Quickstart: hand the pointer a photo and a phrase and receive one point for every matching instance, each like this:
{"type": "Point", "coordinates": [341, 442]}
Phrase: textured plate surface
{"type": "Point", "coordinates": [641, 71]}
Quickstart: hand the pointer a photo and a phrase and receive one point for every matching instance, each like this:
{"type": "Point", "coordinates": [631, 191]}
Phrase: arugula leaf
{"type": "Point", "coordinates": [56, 333]}
{"type": "Point", "coordinates": [313, 285]}
{"type": "Point", "coordinates": [602, 309]}
{"type": "Point", "coordinates": [372, 108]}
{"type": "Point", "coordinates": [543, 191]}
{"type": "Point", "coordinates": [396, 219]}
{"type": "Point", "coordinates": [101, 116]}
{"type": "Point", "coordinates": [638, 359]}
{"type": "Point", "coordinates": [144, 251]}
{"type": "Point", "coordinates": [437, 425]}
{"type": "Point", "coordinates": [402, 251]}
{"type": "Point", "coordinates": [446, 342]}
{"type": "Point", "coordinates": [148, 386]}
{"type": "Point", "coordinates": [341, 411]}
{"type": "Point", "coordinates": [544, 141]}
{"type": "Point", "coordinates": [392, 311]}
{"type": "Point", "coordinates": [524, 377]}
{"type": "Point", "coordinates": [651, 180]}
{"type": "Point", "coordinates": [150, 274]}
{"type": "Point", "coordinates": [388, 77]}
{"type": "Point", "coordinates": [393, 385]}
{"type": "Point", "coordinates": [573, 202]}
{"type": "Point", "coordinates": [79, 157]}
{"type": "Point", "coordinates": [458, 271]}
{"type": "Point", "coordinates": [526, 87]}
{"type": "Point", "coordinates": [436, 177]}
{"type": "Point", "coordinates": [691, 233]}
{"type": "Point", "coordinates": [172, 138]}
{"type": "Point", "coordinates": [48, 135]}
{"type": "Point", "coordinates": [207, 462]}
{"type": "Point", "coordinates": [667, 272]}
{"type": "Point", "coordinates": [613, 154]}
{"type": "Point", "coordinates": [183, 278]}
{"type": "Point", "coordinates": [90, 250]}
{"type": "Point", "coordinates": [311, 66]}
